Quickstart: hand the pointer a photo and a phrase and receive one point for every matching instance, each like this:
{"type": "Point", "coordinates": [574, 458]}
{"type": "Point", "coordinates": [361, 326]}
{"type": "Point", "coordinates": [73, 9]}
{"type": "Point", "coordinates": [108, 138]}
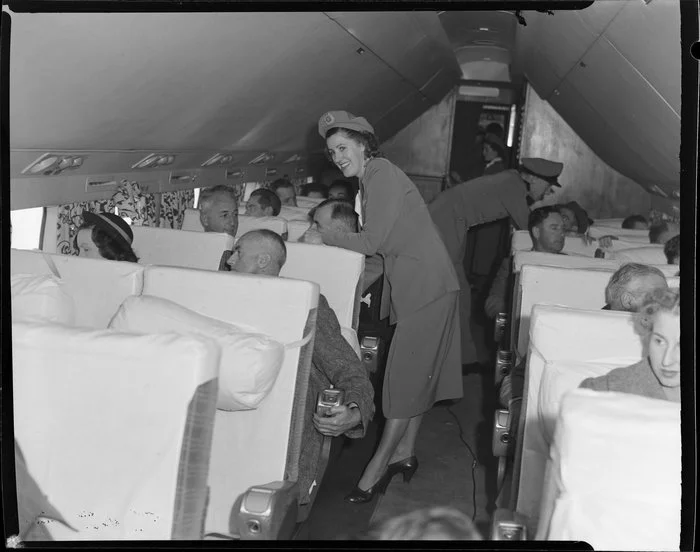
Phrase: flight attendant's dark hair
{"type": "Point", "coordinates": [368, 139]}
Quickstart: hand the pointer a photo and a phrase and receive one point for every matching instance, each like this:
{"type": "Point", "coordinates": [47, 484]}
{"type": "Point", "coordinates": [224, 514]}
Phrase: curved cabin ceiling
{"type": "Point", "coordinates": [613, 72]}
{"type": "Point", "coordinates": [241, 82]}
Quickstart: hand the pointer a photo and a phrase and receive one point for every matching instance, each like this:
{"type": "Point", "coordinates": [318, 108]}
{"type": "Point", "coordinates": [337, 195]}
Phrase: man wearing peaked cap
{"type": "Point", "coordinates": [342, 119]}
{"type": "Point", "coordinates": [505, 195]}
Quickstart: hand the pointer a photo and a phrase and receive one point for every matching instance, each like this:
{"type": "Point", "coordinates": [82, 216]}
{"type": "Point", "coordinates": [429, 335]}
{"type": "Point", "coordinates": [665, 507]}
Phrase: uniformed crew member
{"type": "Point", "coordinates": [423, 365]}
{"type": "Point", "coordinates": [485, 199]}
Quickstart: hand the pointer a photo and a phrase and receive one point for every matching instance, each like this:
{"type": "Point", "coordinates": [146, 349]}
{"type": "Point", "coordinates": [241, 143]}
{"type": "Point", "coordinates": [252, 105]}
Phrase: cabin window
{"type": "Point", "coordinates": [26, 228]}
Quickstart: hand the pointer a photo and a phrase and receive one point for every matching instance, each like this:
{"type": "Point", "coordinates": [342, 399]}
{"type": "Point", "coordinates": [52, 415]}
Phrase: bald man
{"type": "Point", "coordinates": [334, 362]}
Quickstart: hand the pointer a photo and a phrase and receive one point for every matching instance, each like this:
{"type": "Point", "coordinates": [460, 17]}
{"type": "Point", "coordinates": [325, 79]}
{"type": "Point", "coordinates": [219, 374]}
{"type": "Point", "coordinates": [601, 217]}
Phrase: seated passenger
{"type": "Point", "coordinates": [635, 222]}
{"type": "Point", "coordinates": [315, 190]}
{"type": "Point", "coordinates": [662, 232]}
{"type": "Point", "coordinates": [576, 220]}
{"type": "Point", "coordinates": [546, 227]}
{"type": "Point", "coordinates": [626, 291]}
{"type": "Point", "coordinates": [658, 375]}
{"type": "Point", "coordinates": [263, 203]}
{"type": "Point", "coordinates": [105, 236]}
{"type": "Point", "coordinates": [341, 189]}
{"type": "Point", "coordinates": [218, 209]}
{"type": "Point", "coordinates": [672, 250]}
{"type": "Point", "coordinates": [285, 191]}
{"type": "Point", "coordinates": [438, 523]}
{"type": "Point", "coordinates": [630, 285]}
{"type": "Point", "coordinates": [334, 360]}
{"type": "Point", "coordinates": [332, 214]}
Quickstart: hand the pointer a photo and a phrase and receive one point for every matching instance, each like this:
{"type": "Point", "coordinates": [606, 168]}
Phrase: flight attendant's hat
{"type": "Point", "coordinates": [112, 224]}
{"type": "Point", "coordinates": [549, 170]}
{"type": "Point", "coordinates": [342, 119]}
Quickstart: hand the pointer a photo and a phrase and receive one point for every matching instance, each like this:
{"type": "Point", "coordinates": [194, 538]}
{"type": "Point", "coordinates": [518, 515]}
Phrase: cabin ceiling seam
{"type": "Point", "coordinates": [370, 50]}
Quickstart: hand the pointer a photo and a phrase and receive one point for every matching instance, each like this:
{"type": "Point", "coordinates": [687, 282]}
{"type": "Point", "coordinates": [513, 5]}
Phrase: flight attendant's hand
{"type": "Point", "coordinates": [605, 242]}
{"type": "Point", "coordinates": [340, 420]}
{"type": "Point", "coordinates": [311, 236]}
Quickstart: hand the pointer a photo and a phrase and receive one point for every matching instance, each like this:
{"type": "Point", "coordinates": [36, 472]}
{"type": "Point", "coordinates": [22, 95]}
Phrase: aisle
{"type": "Point", "coordinates": [445, 473]}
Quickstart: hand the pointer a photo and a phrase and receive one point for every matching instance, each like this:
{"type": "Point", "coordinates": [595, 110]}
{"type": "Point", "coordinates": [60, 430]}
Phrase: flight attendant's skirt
{"type": "Point", "coordinates": [424, 363]}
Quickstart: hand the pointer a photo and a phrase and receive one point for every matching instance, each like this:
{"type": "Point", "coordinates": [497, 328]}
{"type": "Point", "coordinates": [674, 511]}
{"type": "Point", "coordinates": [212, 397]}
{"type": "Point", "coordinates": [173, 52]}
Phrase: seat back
{"type": "Point", "coordinates": [628, 234]}
{"type": "Point", "coordinates": [96, 286]}
{"type": "Point", "coordinates": [569, 287]}
{"type": "Point", "coordinates": [295, 213]}
{"type": "Point", "coordinates": [296, 229]}
{"type": "Point", "coordinates": [168, 247]}
{"type": "Point", "coordinates": [615, 473]}
{"type": "Point", "coordinates": [559, 339]}
{"type": "Point", "coordinates": [116, 428]}
{"type": "Point", "coordinates": [308, 202]}
{"type": "Point", "coordinates": [246, 223]}
{"type": "Point", "coordinates": [521, 258]}
{"type": "Point", "coordinates": [338, 272]}
{"type": "Point", "coordinates": [251, 447]}
{"type": "Point", "coordinates": [574, 245]}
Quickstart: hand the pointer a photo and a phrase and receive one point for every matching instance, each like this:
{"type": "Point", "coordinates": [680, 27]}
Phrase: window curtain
{"type": "Point", "coordinates": [173, 206]}
{"type": "Point", "coordinates": [656, 217]}
{"type": "Point", "coordinates": [70, 218]}
{"type": "Point", "coordinates": [131, 202]}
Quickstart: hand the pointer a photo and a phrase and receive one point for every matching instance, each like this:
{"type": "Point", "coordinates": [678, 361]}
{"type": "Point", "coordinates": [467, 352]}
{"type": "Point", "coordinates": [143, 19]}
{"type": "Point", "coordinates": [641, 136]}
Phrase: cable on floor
{"type": "Point", "coordinates": [474, 462]}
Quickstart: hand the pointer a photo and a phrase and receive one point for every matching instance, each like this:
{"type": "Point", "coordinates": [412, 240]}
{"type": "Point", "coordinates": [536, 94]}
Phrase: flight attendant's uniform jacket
{"type": "Point", "coordinates": [484, 199]}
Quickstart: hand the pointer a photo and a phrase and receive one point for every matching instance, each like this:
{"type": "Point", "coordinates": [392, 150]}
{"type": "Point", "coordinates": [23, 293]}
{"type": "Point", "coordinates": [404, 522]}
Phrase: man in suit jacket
{"type": "Point", "coordinates": [334, 363]}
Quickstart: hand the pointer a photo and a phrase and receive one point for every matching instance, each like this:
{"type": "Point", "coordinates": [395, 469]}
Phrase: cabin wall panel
{"type": "Point", "coordinates": [423, 147]}
{"type": "Point", "coordinates": [598, 188]}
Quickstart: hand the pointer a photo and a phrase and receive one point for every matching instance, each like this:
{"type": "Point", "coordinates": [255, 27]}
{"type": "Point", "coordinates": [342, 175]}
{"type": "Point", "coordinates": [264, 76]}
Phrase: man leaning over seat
{"type": "Point", "coordinates": [335, 363]}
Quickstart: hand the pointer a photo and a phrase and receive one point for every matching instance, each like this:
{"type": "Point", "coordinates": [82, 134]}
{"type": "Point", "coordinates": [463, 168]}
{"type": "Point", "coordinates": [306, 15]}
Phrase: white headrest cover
{"type": "Point", "coordinates": [246, 224]}
{"type": "Point", "coordinates": [96, 286]}
{"type": "Point", "coordinates": [617, 467]}
{"type": "Point", "coordinates": [101, 418]}
{"type": "Point", "coordinates": [296, 229]}
{"type": "Point", "coordinates": [168, 247]}
{"type": "Point", "coordinates": [652, 254]}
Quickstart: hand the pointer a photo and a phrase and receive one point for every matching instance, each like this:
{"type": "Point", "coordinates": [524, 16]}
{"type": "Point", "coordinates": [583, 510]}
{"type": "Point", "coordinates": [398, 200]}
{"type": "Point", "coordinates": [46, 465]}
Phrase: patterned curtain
{"type": "Point", "coordinates": [656, 217]}
{"type": "Point", "coordinates": [70, 218]}
{"type": "Point", "coordinates": [133, 203]}
{"type": "Point", "coordinates": [173, 206]}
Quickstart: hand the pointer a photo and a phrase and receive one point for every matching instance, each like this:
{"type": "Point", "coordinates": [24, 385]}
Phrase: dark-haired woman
{"type": "Point", "coordinates": [494, 153]}
{"type": "Point", "coordinates": [105, 236]}
{"type": "Point", "coordinates": [424, 362]}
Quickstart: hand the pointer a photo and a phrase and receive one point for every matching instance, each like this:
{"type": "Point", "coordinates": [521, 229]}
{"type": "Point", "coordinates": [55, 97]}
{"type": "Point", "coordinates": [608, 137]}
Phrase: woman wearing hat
{"type": "Point", "coordinates": [424, 364]}
{"type": "Point", "coordinates": [105, 236]}
{"type": "Point", "coordinates": [494, 154]}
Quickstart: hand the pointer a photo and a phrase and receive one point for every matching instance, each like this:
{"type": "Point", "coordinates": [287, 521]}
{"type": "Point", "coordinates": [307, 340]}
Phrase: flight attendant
{"type": "Point", "coordinates": [423, 365]}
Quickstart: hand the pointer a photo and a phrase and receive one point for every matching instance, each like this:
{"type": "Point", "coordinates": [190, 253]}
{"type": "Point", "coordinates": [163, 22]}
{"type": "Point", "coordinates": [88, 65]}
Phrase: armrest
{"type": "Point", "coordinates": [266, 512]}
{"type": "Point", "coordinates": [508, 525]}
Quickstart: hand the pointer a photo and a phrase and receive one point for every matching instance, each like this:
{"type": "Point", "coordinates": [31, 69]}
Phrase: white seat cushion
{"type": "Point", "coordinates": [616, 473]}
{"type": "Point", "coordinates": [96, 286]}
{"type": "Point", "coordinates": [295, 213]}
{"type": "Point", "coordinates": [296, 229]}
{"type": "Point", "coordinates": [250, 362]}
{"type": "Point", "coordinates": [191, 223]}
{"type": "Point", "coordinates": [168, 247]}
{"type": "Point", "coordinates": [41, 297]}
{"type": "Point", "coordinates": [116, 428]}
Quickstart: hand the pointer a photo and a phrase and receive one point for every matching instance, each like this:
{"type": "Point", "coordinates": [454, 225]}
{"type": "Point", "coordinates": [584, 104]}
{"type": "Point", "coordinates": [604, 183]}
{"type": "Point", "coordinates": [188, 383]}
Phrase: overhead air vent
{"type": "Point", "coordinates": [51, 164]}
{"type": "Point", "coordinates": [293, 159]}
{"type": "Point", "coordinates": [300, 170]}
{"type": "Point", "coordinates": [219, 159]}
{"type": "Point", "coordinates": [262, 158]}
{"type": "Point", "coordinates": [676, 194]}
{"type": "Point", "coordinates": [100, 183]}
{"type": "Point", "coordinates": [658, 191]}
{"type": "Point", "coordinates": [154, 160]}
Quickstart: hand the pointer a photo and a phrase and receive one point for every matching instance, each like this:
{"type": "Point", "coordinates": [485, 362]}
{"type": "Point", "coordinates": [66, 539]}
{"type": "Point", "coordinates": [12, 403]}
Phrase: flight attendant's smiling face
{"type": "Point", "coordinates": [347, 154]}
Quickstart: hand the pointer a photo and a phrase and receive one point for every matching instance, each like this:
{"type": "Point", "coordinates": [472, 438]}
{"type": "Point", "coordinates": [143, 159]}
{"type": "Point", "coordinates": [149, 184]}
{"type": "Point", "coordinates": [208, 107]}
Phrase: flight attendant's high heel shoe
{"type": "Point", "coordinates": [407, 466]}
{"type": "Point", "coordinates": [358, 496]}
